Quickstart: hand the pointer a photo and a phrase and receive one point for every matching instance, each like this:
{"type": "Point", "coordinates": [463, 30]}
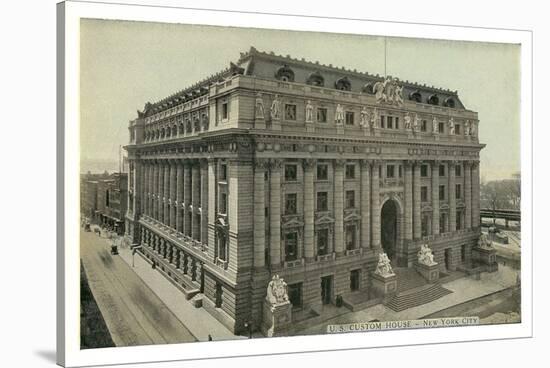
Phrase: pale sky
{"type": "Point", "coordinates": [125, 64]}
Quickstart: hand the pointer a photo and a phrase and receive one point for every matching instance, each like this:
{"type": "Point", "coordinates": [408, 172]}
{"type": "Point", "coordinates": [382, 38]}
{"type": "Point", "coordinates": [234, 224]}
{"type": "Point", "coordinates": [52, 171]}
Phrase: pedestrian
{"type": "Point", "coordinates": [209, 337]}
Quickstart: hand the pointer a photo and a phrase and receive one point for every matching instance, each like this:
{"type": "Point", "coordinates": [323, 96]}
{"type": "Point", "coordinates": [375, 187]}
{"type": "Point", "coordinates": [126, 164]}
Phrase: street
{"type": "Point", "coordinates": [133, 313]}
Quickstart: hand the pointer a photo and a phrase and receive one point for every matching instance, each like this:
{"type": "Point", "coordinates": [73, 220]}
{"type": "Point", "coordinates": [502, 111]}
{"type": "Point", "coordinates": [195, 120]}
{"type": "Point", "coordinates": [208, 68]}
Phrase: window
{"type": "Point", "coordinates": [322, 242]}
{"type": "Point", "coordinates": [322, 172]}
{"type": "Point", "coordinates": [321, 115]}
{"type": "Point", "coordinates": [424, 171]}
{"type": "Point", "coordinates": [350, 237]}
{"type": "Point", "coordinates": [382, 121]}
{"type": "Point", "coordinates": [291, 173]}
{"type": "Point", "coordinates": [295, 295]}
{"type": "Point", "coordinates": [442, 223]}
{"type": "Point", "coordinates": [223, 172]}
{"type": "Point", "coordinates": [218, 295]}
{"type": "Point", "coordinates": [225, 111]}
{"type": "Point", "coordinates": [463, 253]}
{"type": "Point", "coordinates": [458, 191]}
{"type": "Point", "coordinates": [354, 278]}
{"type": "Point", "coordinates": [396, 122]}
{"type": "Point", "coordinates": [107, 198]}
{"type": "Point", "coordinates": [441, 170]}
{"type": "Point", "coordinates": [400, 171]}
{"type": "Point", "coordinates": [349, 117]}
{"type": "Point", "coordinates": [440, 127]}
{"type": "Point", "coordinates": [390, 122]}
{"type": "Point", "coordinates": [350, 171]}
{"type": "Point", "coordinates": [458, 170]}
{"type": "Point", "coordinates": [390, 171]}
{"type": "Point", "coordinates": [290, 112]}
{"type": "Point", "coordinates": [424, 194]}
{"type": "Point", "coordinates": [350, 199]}
{"type": "Point", "coordinates": [442, 192]}
{"type": "Point", "coordinates": [424, 225]}
{"type": "Point", "coordinates": [222, 246]}
{"type": "Point", "coordinates": [223, 203]}
{"type": "Point", "coordinates": [291, 246]}
{"type": "Point", "coordinates": [424, 126]}
{"type": "Point", "coordinates": [457, 129]}
{"type": "Point", "coordinates": [322, 201]}
{"type": "Point", "coordinates": [459, 220]}
{"type": "Point", "coordinates": [290, 204]}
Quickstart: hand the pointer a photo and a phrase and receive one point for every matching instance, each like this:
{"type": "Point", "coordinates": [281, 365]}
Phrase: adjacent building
{"type": "Point", "coordinates": [283, 166]}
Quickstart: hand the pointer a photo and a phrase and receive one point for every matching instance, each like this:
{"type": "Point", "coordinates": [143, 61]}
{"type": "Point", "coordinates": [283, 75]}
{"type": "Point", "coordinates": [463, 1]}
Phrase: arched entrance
{"type": "Point", "coordinates": [388, 228]}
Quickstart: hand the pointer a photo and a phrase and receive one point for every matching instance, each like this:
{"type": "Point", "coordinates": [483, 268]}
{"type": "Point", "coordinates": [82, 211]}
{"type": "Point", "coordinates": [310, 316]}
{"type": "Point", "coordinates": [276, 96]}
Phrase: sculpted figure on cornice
{"type": "Point", "coordinates": [416, 123]}
{"type": "Point", "coordinates": [467, 127]}
{"type": "Point", "coordinates": [364, 117]}
{"type": "Point", "coordinates": [339, 116]}
{"type": "Point", "coordinates": [408, 121]}
{"type": "Point", "coordinates": [388, 91]}
{"type": "Point", "coordinates": [275, 108]}
{"type": "Point", "coordinates": [473, 130]}
{"type": "Point", "coordinates": [374, 118]}
{"type": "Point", "coordinates": [259, 106]}
{"type": "Point", "coordinates": [309, 112]}
{"type": "Point", "coordinates": [451, 126]}
{"type": "Point", "coordinates": [434, 125]}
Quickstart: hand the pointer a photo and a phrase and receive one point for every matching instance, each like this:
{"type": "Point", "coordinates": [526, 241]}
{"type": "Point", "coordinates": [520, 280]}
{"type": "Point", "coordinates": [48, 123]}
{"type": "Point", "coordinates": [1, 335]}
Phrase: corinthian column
{"type": "Point", "coordinates": [275, 213]}
{"type": "Point", "coordinates": [467, 195]}
{"type": "Point", "coordinates": [259, 212]}
{"type": "Point", "coordinates": [156, 174]}
{"type": "Point", "coordinates": [435, 197]}
{"type": "Point", "coordinates": [339, 166]}
{"type": "Point", "coordinates": [166, 194]}
{"type": "Point", "coordinates": [187, 198]}
{"type": "Point", "coordinates": [160, 194]}
{"type": "Point", "coordinates": [195, 184]}
{"type": "Point", "coordinates": [309, 209]}
{"type": "Point", "coordinates": [475, 195]}
{"type": "Point", "coordinates": [375, 205]}
{"type": "Point", "coordinates": [452, 196]}
{"type": "Point", "coordinates": [172, 194]}
{"type": "Point", "coordinates": [179, 197]}
{"type": "Point", "coordinates": [365, 204]}
{"type": "Point", "coordinates": [417, 217]}
{"type": "Point", "coordinates": [408, 201]}
{"type": "Point", "coordinates": [204, 201]}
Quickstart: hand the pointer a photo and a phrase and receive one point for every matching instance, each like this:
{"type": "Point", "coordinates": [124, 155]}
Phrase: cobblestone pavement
{"type": "Point", "coordinates": [133, 313]}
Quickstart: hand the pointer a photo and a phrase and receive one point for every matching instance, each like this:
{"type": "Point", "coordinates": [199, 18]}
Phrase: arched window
{"type": "Point", "coordinates": [162, 133]}
{"type": "Point", "coordinates": [174, 129]}
{"type": "Point", "coordinates": [316, 79]}
{"type": "Point", "coordinates": [188, 128]}
{"type": "Point", "coordinates": [368, 88]}
{"type": "Point", "coordinates": [449, 102]}
{"type": "Point", "coordinates": [415, 96]}
{"type": "Point", "coordinates": [181, 130]}
{"type": "Point", "coordinates": [285, 74]}
{"type": "Point", "coordinates": [343, 84]}
{"type": "Point", "coordinates": [168, 132]}
{"type": "Point", "coordinates": [433, 100]}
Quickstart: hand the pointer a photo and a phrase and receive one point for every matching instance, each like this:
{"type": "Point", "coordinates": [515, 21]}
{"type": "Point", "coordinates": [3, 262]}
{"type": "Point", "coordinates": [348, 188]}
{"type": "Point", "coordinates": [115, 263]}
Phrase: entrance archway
{"type": "Point", "coordinates": [388, 228]}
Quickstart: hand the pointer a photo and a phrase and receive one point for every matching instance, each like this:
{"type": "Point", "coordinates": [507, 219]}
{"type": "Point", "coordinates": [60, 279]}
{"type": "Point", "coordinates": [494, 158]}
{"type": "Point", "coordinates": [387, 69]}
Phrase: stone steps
{"type": "Point", "coordinates": [418, 296]}
{"type": "Point", "coordinates": [408, 278]}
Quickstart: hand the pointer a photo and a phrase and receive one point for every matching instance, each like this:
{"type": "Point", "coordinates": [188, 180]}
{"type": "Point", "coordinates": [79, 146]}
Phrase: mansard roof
{"type": "Point", "coordinates": [271, 66]}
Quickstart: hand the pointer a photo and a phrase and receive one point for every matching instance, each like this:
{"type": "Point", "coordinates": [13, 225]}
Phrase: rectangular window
{"type": "Point", "coordinates": [442, 223]}
{"type": "Point", "coordinates": [424, 171]}
{"type": "Point", "coordinates": [350, 237]}
{"type": "Point", "coordinates": [424, 225]}
{"type": "Point", "coordinates": [350, 199]}
{"type": "Point", "coordinates": [458, 170]}
{"type": "Point", "coordinates": [390, 122]}
{"type": "Point", "coordinates": [424, 126]}
{"type": "Point", "coordinates": [441, 170]}
{"type": "Point", "coordinates": [424, 194]}
{"type": "Point", "coordinates": [291, 173]}
{"type": "Point", "coordinates": [354, 278]}
{"type": "Point", "coordinates": [290, 112]}
{"type": "Point", "coordinates": [390, 171]}
{"type": "Point", "coordinates": [396, 122]}
{"type": "Point", "coordinates": [295, 295]}
{"type": "Point", "coordinates": [291, 246]}
{"type": "Point", "coordinates": [322, 201]}
{"type": "Point", "coordinates": [442, 192]}
{"type": "Point", "coordinates": [441, 127]}
{"type": "Point", "coordinates": [223, 202]}
{"type": "Point", "coordinates": [382, 121]}
{"type": "Point", "coordinates": [322, 242]}
{"type": "Point", "coordinates": [321, 115]}
{"type": "Point", "coordinates": [350, 171]}
{"type": "Point", "coordinates": [223, 172]}
{"type": "Point", "coordinates": [225, 111]}
{"type": "Point", "coordinates": [290, 204]}
{"type": "Point", "coordinates": [400, 171]}
{"type": "Point", "coordinates": [459, 220]}
{"type": "Point", "coordinates": [350, 117]}
{"type": "Point", "coordinates": [322, 172]}
{"type": "Point", "coordinates": [457, 129]}
{"type": "Point", "coordinates": [458, 191]}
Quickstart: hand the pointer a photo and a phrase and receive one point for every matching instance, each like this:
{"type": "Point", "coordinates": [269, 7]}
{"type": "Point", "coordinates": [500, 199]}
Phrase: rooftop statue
{"type": "Point", "coordinates": [384, 266]}
{"type": "Point", "coordinates": [339, 116]}
{"type": "Point", "coordinates": [374, 118]}
{"type": "Point", "coordinates": [451, 126]}
{"type": "Point", "coordinates": [275, 108]}
{"type": "Point", "coordinates": [467, 127]}
{"type": "Point", "coordinates": [277, 292]}
{"type": "Point", "coordinates": [425, 256]}
{"type": "Point", "coordinates": [364, 118]}
{"type": "Point", "coordinates": [434, 125]}
{"type": "Point", "coordinates": [416, 123]}
{"type": "Point", "coordinates": [408, 121]}
{"type": "Point", "coordinates": [259, 106]}
{"type": "Point", "coordinates": [309, 112]}
{"type": "Point", "coordinates": [388, 91]}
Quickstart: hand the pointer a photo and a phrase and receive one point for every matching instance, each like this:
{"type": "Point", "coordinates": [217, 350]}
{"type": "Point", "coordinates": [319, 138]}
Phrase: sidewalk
{"type": "Point", "coordinates": [197, 320]}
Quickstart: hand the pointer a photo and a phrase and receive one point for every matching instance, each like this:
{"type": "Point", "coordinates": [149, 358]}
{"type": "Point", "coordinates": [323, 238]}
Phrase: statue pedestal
{"type": "Point", "coordinates": [339, 129]}
{"type": "Point", "coordinates": [430, 273]}
{"type": "Point", "coordinates": [310, 127]}
{"type": "Point", "coordinates": [259, 123]}
{"type": "Point", "coordinates": [275, 124]}
{"type": "Point", "coordinates": [277, 319]}
{"type": "Point", "coordinates": [487, 257]}
{"type": "Point", "coordinates": [410, 134]}
{"type": "Point", "coordinates": [366, 132]}
{"type": "Point", "coordinates": [376, 132]}
{"type": "Point", "coordinates": [384, 286]}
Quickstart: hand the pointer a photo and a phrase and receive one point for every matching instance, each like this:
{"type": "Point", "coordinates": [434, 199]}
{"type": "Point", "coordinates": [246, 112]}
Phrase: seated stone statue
{"type": "Point", "coordinates": [277, 291]}
{"type": "Point", "coordinates": [484, 242]}
{"type": "Point", "coordinates": [384, 266]}
{"type": "Point", "coordinates": [425, 256]}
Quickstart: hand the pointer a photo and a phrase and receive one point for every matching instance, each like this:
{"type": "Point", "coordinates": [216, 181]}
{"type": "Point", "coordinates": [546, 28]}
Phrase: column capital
{"type": "Point", "coordinates": [203, 162]}
{"type": "Point", "coordinates": [340, 163]}
{"type": "Point", "coordinates": [261, 163]}
{"type": "Point", "coordinates": [275, 163]}
{"type": "Point", "coordinates": [436, 162]}
{"type": "Point", "coordinates": [452, 163]}
{"type": "Point", "coordinates": [308, 163]}
{"type": "Point", "coordinates": [365, 164]}
{"type": "Point", "coordinates": [375, 162]}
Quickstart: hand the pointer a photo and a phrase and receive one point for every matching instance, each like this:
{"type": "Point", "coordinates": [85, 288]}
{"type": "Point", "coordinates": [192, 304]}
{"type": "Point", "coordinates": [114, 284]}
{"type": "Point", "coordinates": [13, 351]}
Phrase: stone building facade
{"type": "Point", "coordinates": [282, 166]}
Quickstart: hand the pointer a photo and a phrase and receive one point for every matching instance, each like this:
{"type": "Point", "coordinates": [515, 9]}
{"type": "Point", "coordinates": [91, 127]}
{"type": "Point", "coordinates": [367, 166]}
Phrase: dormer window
{"type": "Point", "coordinates": [343, 84]}
{"type": "Point", "coordinates": [415, 96]}
{"type": "Point", "coordinates": [449, 102]}
{"type": "Point", "coordinates": [316, 79]}
{"type": "Point", "coordinates": [368, 88]}
{"type": "Point", "coordinates": [285, 74]}
{"type": "Point", "coordinates": [433, 100]}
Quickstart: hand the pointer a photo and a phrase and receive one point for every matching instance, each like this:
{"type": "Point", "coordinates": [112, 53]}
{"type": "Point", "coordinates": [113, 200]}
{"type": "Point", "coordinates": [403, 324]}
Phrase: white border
{"type": "Point", "coordinates": [74, 357]}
